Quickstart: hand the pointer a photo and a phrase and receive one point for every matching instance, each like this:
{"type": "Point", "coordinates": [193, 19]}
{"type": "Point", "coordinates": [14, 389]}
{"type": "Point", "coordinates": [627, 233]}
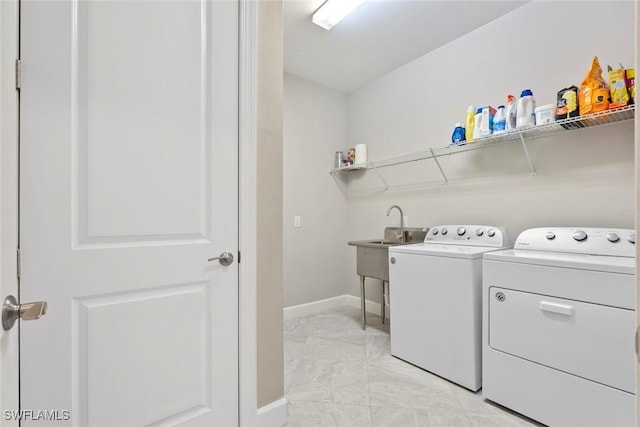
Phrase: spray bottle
{"type": "Point", "coordinates": [511, 113]}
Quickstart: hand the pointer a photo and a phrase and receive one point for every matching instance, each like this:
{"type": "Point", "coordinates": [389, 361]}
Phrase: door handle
{"type": "Point", "coordinates": [225, 258]}
{"type": "Point", "coordinates": [552, 307]}
{"type": "Point", "coordinates": [12, 311]}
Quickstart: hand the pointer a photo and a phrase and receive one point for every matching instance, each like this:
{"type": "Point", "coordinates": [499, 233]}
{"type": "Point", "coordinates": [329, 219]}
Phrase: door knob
{"type": "Point", "coordinates": [225, 258]}
{"type": "Point", "coordinates": [12, 311]}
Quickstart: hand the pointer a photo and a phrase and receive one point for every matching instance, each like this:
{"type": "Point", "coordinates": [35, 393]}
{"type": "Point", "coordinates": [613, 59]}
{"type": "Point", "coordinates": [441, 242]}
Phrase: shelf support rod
{"type": "Point", "coordinates": [446, 180]}
{"type": "Point", "coordinates": [338, 181]}
{"type": "Point", "coordinates": [375, 169]}
{"type": "Point", "coordinates": [526, 153]}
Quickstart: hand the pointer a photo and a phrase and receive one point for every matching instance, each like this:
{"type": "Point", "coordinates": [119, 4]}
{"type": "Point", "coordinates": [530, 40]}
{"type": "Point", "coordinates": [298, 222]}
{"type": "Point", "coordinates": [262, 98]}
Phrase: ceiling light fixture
{"type": "Point", "coordinates": [333, 11]}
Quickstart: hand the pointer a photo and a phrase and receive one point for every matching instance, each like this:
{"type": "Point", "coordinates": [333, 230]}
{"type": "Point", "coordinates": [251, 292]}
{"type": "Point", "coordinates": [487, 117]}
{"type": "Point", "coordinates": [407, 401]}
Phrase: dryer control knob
{"type": "Point", "coordinates": [613, 237]}
{"type": "Point", "coordinates": [550, 235]}
{"type": "Point", "coordinates": [461, 231]}
{"type": "Point", "coordinates": [479, 232]}
{"type": "Point", "coordinates": [444, 231]}
{"type": "Point", "coordinates": [434, 231]}
{"type": "Point", "coordinates": [491, 233]}
{"type": "Point", "coordinates": [579, 236]}
{"type": "Point", "coordinates": [632, 238]}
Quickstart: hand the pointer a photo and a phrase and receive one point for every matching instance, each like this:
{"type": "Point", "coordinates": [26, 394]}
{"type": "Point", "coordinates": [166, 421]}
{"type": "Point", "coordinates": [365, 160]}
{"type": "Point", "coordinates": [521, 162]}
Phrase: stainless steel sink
{"type": "Point", "coordinates": [373, 258]}
{"type": "Point", "coordinates": [372, 255]}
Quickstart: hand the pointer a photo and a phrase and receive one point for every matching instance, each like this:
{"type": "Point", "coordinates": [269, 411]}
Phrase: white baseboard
{"type": "Point", "coordinates": [314, 307]}
{"type": "Point", "coordinates": [372, 307]}
{"type": "Point", "coordinates": [274, 414]}
{"type": "Point", "coordinates": [329, 303]}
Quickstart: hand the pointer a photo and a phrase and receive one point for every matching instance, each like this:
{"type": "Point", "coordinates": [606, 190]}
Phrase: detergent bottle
{"type": "Point", "coordinates": [470, 122]}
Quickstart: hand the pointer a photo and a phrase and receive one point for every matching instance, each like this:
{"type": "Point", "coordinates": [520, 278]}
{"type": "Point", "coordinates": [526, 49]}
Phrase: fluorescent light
{"type": "Point", "coordinates": [333, 11]}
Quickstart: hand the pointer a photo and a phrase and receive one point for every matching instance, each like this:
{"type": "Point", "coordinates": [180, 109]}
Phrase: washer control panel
{"type": "Point", "coordinates": [470, 235]}
{"type": "Point", "coordinates": [588, 241]}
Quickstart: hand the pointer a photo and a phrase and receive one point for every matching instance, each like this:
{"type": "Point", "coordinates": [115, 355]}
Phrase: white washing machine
{"type": "Point", "coordinates": [559, 326]}
{"type": "Point", "coordinates": [435, 292]}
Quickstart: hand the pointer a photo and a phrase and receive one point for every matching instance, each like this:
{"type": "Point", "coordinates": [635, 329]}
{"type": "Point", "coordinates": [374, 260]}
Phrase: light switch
{"type": "Point", "coordinates": [296, 221]}
{"type": "Point", "coordinates": [406, 220]}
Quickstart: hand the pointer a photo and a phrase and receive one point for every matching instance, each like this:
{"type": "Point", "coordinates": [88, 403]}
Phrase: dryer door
{"type": "Point", "coordinates": [588, 340]}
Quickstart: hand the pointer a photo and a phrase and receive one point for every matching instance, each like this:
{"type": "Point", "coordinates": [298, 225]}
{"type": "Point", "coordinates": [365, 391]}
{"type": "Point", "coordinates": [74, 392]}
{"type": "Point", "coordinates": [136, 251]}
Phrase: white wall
{"type": "Point", "coordinates": [315, 128]}
{"type": "Point", "coordinates": [583, 178]}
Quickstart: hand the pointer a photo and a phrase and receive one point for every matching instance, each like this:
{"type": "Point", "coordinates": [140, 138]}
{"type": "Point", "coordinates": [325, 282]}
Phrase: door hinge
{"type": "Point", "coordinates": [239, 257]}
{"type": "Point", "coordinates": [18, 262]}
{"type": "Point", "coordinates": [18, 74]}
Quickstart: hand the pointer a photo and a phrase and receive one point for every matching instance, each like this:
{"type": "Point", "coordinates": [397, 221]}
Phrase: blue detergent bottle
{"type": "Point", "coordinates": [458, 136]}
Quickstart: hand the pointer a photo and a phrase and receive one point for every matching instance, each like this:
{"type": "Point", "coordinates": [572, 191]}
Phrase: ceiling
{"type": "Point", "coordinates": [379, 36]}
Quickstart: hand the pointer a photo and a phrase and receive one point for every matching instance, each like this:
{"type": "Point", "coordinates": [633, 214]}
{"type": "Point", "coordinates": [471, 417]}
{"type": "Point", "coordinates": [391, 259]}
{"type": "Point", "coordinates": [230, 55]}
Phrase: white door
{"type": "Point", "coordinates": [129, 117]}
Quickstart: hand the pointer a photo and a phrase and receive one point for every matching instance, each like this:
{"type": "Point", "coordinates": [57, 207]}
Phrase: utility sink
{"type": "Point", "coordinates": [373, 255]}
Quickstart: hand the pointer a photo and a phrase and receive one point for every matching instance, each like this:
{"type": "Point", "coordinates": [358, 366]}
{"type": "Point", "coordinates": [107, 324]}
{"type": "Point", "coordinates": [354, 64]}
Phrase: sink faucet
{"type": "Point", "coordinates": [401, 220]}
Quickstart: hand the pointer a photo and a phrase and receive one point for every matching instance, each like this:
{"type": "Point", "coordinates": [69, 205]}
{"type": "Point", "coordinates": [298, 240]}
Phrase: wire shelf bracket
{"type": "Point", "coordinates": [526, 153]}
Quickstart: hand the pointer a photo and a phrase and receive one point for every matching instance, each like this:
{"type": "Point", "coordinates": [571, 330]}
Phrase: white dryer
{"type": "Point", "coordinates": [435, 291]}
{"type": "Point", "coordinates": [559, 326]}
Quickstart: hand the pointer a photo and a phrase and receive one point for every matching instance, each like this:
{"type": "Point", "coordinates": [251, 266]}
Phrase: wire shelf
{"type": "Point", "coordinates": [555, 128]}
{"type": "Point", "coordinates": [520, 135]}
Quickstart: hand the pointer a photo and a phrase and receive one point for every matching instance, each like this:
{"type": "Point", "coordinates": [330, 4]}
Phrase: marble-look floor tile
{"type": "Point", "coordinates": [377, 347]}
{"type": "Point", "coordinates": [482, 410]}
{"type": "Point", "coordinates": [444, 414]}
{"type": "Point", "coordinates": [500, 421]}
{"type": "Point", "coordinates": [314, 414]}
{"type": "Point", "coordinates": [394, 383]}
{"type": "Point", "coordinates": [322, 346]}
{"type": "Point", "coordinates": [336, 324]}
{"type": "Point", "coordinates": [337, 374]}
{"type": "Point", "coordinates": [474, 403]}
{"type": "Point", "coordinates": [394, 417]}
{"type": "Point", "coordinates": [413, 394]}
{"type": "Point", "coordinates": [329, 380]}
{"type": "Point", "coordinates": [410, 417]}
{"type": "Point", "coordinates": [290, 365]}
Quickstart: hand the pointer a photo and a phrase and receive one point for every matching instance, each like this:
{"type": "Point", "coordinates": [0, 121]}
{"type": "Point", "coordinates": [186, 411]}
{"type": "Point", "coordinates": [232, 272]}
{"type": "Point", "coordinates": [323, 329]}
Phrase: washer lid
{"type": "Point", "coordinates": [442, 250]}
{"type": "Point", "coordinates": [611, 264]}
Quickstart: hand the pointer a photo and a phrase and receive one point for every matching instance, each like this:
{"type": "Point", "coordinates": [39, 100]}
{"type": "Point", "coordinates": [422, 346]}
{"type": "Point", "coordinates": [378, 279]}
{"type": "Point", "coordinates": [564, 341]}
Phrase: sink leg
{"type": "Point", "coordinates": [362, 303]}
{"type": "Point", "coordinates": [382, 312]}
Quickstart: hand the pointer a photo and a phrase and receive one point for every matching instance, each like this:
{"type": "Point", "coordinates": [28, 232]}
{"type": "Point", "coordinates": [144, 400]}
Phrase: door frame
{"type": "Point", "coordinates": [247, 168]}
{"type": "Point", "coordinates": [247, 224]}
{"type": "Point", "coordinates": [9, 374]}
{"type": "Point", "coordinates": [637, 213]}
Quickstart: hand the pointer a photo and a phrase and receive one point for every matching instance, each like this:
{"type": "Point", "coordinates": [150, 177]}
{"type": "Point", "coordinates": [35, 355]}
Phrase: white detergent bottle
{"type": "Point", "coordinates": [500, 121]}
{"type": "Point", "coordinates": [525, 115]}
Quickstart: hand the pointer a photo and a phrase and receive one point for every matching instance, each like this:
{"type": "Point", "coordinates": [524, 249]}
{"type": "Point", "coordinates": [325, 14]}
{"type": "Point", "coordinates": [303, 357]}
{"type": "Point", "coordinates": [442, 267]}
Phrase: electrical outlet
{"type": "Point", "coordinates": [296, 221]}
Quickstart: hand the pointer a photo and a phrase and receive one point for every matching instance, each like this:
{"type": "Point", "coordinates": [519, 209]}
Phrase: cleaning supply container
{"type": "Point", "coordinates": [545, 114]}
{"type": "Point", "coordinates": [486, 121]}
{"type": "Point", "coordinates": [511, 112]}
{"type": "Point", "coordinates": [477, 130]}
{"type": "Point", "coordinates": [470, 122]}
{"type": "Point", "coordinates": [500, 121]}
{"type": "Point", "coordinates": [457, 138]}
{"type": "Point", "coordinates": [525, 115]}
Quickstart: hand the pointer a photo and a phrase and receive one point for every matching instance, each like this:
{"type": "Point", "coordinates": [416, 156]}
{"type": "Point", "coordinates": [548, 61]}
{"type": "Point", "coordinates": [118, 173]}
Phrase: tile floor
{"type": "Point", "coordinates": [336, 374]}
